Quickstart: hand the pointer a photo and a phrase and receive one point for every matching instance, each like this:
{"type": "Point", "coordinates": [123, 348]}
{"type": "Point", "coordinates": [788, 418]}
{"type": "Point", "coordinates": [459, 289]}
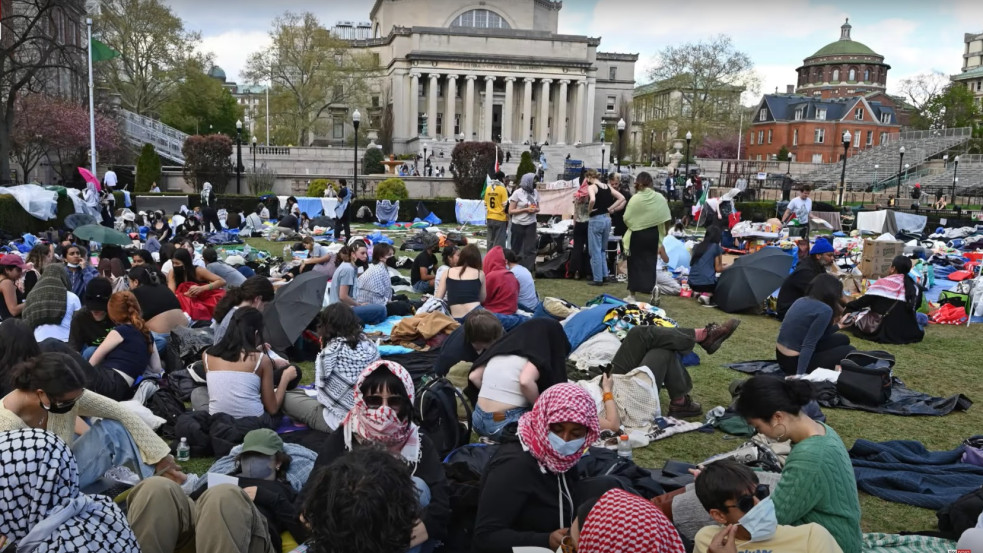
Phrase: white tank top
{"type": "Point", "coordinates": [500, 381]}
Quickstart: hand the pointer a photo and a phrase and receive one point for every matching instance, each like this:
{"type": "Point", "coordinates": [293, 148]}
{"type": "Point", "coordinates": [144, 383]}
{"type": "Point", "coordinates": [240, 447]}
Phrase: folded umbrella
{"type": "Point", "coordinates": [101, 234]}
{"type": "Point", "coordinates": [751, 279]}
{"type": "Point", "coordinates": [293, 308]}
{"type": "Point", "coordinates": [76, 220]}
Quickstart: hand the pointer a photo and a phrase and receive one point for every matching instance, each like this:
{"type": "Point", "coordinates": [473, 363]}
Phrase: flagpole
{"type": "Point", "coordinates": [92, 110]}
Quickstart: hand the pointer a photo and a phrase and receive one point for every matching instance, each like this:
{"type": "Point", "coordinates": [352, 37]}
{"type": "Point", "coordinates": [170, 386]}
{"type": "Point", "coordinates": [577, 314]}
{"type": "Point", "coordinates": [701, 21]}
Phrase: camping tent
{"type": "Point", "coordinates": [890, 221]}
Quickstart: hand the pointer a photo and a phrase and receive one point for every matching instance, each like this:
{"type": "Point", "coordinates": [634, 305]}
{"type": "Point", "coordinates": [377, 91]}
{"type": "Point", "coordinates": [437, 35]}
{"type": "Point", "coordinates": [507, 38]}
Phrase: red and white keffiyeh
{"type": "Point", "coordinates": [383, 425]}
{"type": "Point", "coordinates": [560, 403]}
{"type": "Point", "coordinates": [626, 523]}
{"type": "Point", "coordinates": [890, 287]}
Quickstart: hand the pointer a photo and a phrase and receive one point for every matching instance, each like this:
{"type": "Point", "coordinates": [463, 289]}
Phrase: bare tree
{"type": "Point", "coordinates": [921, 90]}
{"type": "Point", "coordinates": [312, 73]}
{"type": "Point", "coordinates": [155, 52]}
{"type": "Point", "coordinates": [34, 58]}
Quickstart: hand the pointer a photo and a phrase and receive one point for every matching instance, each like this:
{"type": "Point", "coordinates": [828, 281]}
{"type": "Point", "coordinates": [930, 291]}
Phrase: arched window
{"type": "Point", "coordinates": [480, 19]}
{"type": "Point", "coordinates": [836, 75]}
{"type": "Point", "coordinates": [867, 75]}
{"type": "Point", "coordinates": [853, 75]}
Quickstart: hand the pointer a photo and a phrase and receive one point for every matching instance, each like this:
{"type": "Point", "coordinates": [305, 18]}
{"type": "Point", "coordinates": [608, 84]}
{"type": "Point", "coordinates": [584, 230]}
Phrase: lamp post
{"type": "Point", "coordinates": [689, 137]}
{"type": "Point", "coordinates": [955, 179]}
{"type": "Point", "coordinates": [356, 119]}
{"type": "Point", "coordinates": [602, 157]}
{"type": "Point", "coordinates": [254, 153]}
{"type": "Point", "coordinates": [238, 156]}
{"type": "Point", "coordinates": [900, 164]}
{"type": "Point", "coordinates": [874, 183]}
{"type": "Point", "coordinates": [846, 149]}
{"type": "Point", "coordinates": [621, 134]}
{"type": "Point", "coordinates": [906, 166]}
{"type": "Point", "coordinates": [788, 168]}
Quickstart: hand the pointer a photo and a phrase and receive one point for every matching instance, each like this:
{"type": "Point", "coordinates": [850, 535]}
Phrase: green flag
{"type": "Point", "coordinates": [485, 187]}
{"type": "Point", "coordinates": [101, 52]}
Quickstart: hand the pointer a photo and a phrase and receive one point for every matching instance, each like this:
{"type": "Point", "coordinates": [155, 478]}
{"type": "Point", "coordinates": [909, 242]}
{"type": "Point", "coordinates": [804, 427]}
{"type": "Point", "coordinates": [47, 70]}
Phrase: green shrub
{"type": "Point", "coordinates": [317, 187]}
{"type": "Point", "coordinates": [372, 162]}
{"type": "Point", "coordinates": [525, 166]}
{"type": "Point", "coordinates": [471, 163]}
{"type": "Point", "coordinates": [148, 169]}
{"type": "Point", "coordinates": [391, 189]}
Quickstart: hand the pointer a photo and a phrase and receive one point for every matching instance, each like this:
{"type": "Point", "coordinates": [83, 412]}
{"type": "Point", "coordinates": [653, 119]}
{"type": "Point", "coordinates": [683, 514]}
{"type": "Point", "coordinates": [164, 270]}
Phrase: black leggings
{"type": "Point", "coordinates": [209, 220]}
{"type": "Point", "coordinates": [829, 352]}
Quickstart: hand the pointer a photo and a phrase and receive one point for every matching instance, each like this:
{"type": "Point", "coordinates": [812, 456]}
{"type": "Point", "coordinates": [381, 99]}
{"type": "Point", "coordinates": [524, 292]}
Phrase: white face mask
{"type": "Point", "coordinates": [565, 448]}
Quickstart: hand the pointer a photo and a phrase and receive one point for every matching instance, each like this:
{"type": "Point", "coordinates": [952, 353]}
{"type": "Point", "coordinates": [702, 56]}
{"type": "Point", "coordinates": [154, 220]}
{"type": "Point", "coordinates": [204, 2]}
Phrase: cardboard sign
{"type": "Point", "coordinates": [878, 255]}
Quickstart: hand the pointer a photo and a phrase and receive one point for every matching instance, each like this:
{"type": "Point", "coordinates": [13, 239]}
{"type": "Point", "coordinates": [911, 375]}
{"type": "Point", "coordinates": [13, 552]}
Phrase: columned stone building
{"type": "Point", "coordinates": [492, 70]}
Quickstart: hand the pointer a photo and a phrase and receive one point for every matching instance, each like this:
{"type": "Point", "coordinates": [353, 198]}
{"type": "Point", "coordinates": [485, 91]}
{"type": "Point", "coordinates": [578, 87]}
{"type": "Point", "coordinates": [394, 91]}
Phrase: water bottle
{"type": "Point", "coordinates": [287, 254]}
{"type": "Point", "coordinates": [184, 451]}
{"type": "Point", "coordinates": [624, 447]}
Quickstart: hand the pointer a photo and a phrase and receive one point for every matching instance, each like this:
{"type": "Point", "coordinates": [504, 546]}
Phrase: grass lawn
{"type": "Point", "coordinates": [945, 363]}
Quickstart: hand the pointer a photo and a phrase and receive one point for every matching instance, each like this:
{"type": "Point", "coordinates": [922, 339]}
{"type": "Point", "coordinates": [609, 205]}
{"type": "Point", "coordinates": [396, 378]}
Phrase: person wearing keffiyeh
{"type": "Point", "coordinates": [897, 298]}
{"type": "Point", "coordinates": [530, 488]}
{"type": "Point", "coordinates": [624, 522]}
{"type": "Point", "coordinates": [41, 507]}
{"type": "Point", "coordinates": [381, 417]}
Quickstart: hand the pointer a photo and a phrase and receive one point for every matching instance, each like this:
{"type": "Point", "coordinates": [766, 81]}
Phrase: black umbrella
{"type": "Point", "coordinates": [76, 220]}
{"type": "Point", "coordinates": [322, 221]}
{"type": "Point", "coordinates": [293, 308]}
{"type": "Point", "coordinates": [751, 279]}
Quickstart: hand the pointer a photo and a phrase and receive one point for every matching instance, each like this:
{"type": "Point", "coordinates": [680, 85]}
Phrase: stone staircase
{"type": "Point", "coordinates": [140, 130]}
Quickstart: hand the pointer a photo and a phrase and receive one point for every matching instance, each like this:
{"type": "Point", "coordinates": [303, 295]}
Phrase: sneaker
{"type": "Point", "coordinates": [716, 334]}
{"type": "Point", "coordinates": [594, 283]}
{"type": "Point", "coordinates": [704, 299]}
{"type": "Point", "coordinates": [122, 475]}
{"type": "Point", "coordinates": [610, 278]}
{"type": "Point", "coordinates": [630, 299]}
{"type": "Point", "coordinates": [655, 296]}
{"type": "Point", "coordinates": [686, 410]}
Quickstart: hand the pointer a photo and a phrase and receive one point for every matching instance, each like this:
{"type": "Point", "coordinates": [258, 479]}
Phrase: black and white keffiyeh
{"type": "Point", "coordinates": [41, 507]}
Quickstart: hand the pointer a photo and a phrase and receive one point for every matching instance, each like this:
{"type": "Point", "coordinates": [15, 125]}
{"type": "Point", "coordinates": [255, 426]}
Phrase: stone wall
{"type": "Point", "coordinates": [294, 184]}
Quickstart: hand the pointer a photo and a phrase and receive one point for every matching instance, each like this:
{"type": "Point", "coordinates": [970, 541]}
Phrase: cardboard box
{"type": "Point", "coordinates": [875, 261]}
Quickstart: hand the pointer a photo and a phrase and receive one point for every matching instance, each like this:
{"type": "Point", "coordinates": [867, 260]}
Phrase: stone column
{"type": "Point", "coordinates": [486, 132]}
{"type": "Point", "coordinates": [469, 110]}
{"type": "Point", "coordinates": [527, 110]}
{"type": "Point", "coordinates": [544, 111]}
{"type": "Point", "coordinates": [581, 109]}
{"type": "Point", "coordinates": [432, 103]}
{"type": "Point", "coordinates": [589, 113]}
{"type": "Point", "coordinates": [451, 107]}
{"type": "Point", "coordinates": [414, 105]}
{"type": "Point", "coordinates": [507, 111]}
{"type": "Point", "coordinates": [561, 123]}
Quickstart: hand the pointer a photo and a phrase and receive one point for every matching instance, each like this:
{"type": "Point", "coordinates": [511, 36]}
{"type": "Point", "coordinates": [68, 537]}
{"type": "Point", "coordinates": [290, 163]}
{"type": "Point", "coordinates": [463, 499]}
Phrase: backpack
{"type": "Point", "coordinates": [436, 409]}
{"type": "Point", "coordinates": [165, 404]}
{"type": "Point", "coordinates": [961, 515]}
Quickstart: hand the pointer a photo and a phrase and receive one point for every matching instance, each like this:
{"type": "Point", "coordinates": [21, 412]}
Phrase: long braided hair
{"type": "Point", "coordinates": [123, 308]}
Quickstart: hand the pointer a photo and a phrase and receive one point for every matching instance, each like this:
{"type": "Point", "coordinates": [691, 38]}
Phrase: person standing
{"type": "Point", "coordinates": [801, 209]}
{"type": "Point", "coordinates": [209, 214]}
{"type": "Point", "coordinates": [523, 207]}
{"type": "Point", "coordinates": [496, 198]}
{"type": "Point", "coordinates": [646, 219]}
{"type": "Point", "coordinates": [787, 187]}
{"type": "Point", "coordinates": [604, 201]}
{"type": "Point", "coordinates": [343, 218]}
{"type": "Point", "coordinates": [110, 179]}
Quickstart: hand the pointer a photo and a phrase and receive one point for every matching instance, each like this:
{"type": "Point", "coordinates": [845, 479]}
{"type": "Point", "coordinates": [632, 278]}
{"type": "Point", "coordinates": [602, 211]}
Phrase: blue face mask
{"type": "Point", "coordinates": [259, 467]}
{"type": "Point", "coordinates": [564, 448]}
{"type": "Point", "coordinates": [761, 521]}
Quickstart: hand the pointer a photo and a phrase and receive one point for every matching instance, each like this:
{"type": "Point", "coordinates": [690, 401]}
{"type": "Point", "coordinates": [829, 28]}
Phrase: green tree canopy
{"type": "Point", "coordinates": [199, 104]}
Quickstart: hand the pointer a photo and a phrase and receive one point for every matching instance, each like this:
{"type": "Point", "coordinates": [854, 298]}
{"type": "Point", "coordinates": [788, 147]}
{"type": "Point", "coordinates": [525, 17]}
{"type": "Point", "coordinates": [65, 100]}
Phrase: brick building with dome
{"type": "Point", "coordinates": [842, 87]}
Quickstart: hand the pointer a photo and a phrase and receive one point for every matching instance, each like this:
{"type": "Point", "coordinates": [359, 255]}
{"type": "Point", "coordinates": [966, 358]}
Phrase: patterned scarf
{"type": "Point", "coordinates": [627, 523]}
{"type": "Point", "coordinates": [48, 301]}
{"type": "Point", "coordinates": [560, 403]}
{"type": "Point", "coordinates": [382, 425]}
{"type": "Point", "coordinates": [891, 287]}
{"type": "Point", "coordinates": [41, 508]}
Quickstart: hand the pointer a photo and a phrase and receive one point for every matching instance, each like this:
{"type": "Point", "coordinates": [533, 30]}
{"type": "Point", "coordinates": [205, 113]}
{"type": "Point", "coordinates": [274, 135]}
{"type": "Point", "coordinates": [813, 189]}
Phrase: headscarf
{"type": "Point", "coordinates": [382, 425]}
{"type": "Point", "coordinates": [624, 522]}
{"type": "Point", "coordinates": [561, 403]}
{"type": "Point", "coordinates": [41, 507]}
{"type": "Point", "coordinates": [646, 209]}
{"type": "Point", "coordinates": [206, 191]}
{"type": "Point", "coordinates": [528, 182]}
{"type": "Point", "coordinates": [48, 301]}
{"type": "Point", "coordinates": [891, 287]}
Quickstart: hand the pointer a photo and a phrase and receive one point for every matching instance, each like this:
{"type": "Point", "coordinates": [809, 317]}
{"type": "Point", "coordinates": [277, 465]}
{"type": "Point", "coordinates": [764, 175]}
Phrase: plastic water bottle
{"type": "Point", "coordinates": [287, 254]}
{"type": "Point", "coordinates": [624, 447]}
{"type": "Point", "coordinates": [184, 451]}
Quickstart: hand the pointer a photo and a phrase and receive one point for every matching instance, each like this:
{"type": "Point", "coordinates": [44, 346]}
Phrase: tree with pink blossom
{"type": "Point", "coordinates": [719, 147]}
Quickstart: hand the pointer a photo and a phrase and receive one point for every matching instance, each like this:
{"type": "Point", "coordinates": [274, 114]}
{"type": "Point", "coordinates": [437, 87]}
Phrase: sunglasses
{"type": "Point", "coordinates": [746, 502]}
{"type": "Point", "coordinates": [397, 403]}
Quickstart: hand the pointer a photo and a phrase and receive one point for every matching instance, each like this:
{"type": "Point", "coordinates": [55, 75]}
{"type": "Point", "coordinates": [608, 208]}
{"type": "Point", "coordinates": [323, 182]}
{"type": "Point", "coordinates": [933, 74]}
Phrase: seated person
{"type": "Point", "coordinates": [249, 516]}
{"type": "Point", "coordinates": [194, 286]}
{"type": "Point", "coordinates": [622, 521]}
{"type": "Point", "coordinates": [50, 306]}
{"type": "Point", "coordinates": [729, 491]}
{"type": "Point", "coordinates": [319, 257]}
{"type": "Point", "coordinates": [43, 509]}
{"type": "Point", "coordinates": [367, 485]}
{"type": "Point", "coordinates": [80, 271]}
{"type": "Point", "coordinates": [233, 220]}
{"type": "Point", "coordinates": [220, 268]}
{"type": "Point", "coordinates": [449, 255]}
{"type": "Point", "coordinates": [706, 262]}
{"type": "Point", "coordinates": [159, 306]}
{"type": "Point", "coordinates": [257, 291]}
{"type": "Point", "coordinates": [808, 338]}
{"type": "Point", "coordinates": [896, 297]}
{"type": "Point", "coordinates": [381, 419]}
{"type": "Point", "coordinates": [344, 284]}
{"type": "Point", "coordinates": [422, 276]}
{"type": "Point", "coordinates": [819, 260]}
{"type": "Point", "coordinates": [659, 349]}
{"type": "Point", "coordinates": [289, 221]}
{"type": "Point", "coordinates": [480, 330]}
{"type": "Point", "coordinates": [345, 353]}
{"type": "Point", "coordinates": [530, 488]}
{"type": "Point", "coordinates": [91, 324]}
{"type": "Point", "coordinates": [49, 394]}
{"type": "Point", "coordinates": [501, 285]}
{"type": "Point", "coordinates": [464, 285]}
{"type": "Point", "coordinates": [240, 374]}
{"type": "Point", "coordinates": [127, 353]}
{"type": "Point", "coordinates": [528, 299]}
{"type": "Point", "coordinates": [375, 285]}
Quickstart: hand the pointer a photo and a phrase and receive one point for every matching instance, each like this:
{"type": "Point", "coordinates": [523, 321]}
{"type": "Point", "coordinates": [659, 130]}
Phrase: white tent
{"type": "Point", "coordinates": [890, 221]}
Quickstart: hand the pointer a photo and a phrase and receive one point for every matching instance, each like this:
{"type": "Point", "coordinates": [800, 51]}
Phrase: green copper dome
{"type": "Point", "coordinates": [846, 46]}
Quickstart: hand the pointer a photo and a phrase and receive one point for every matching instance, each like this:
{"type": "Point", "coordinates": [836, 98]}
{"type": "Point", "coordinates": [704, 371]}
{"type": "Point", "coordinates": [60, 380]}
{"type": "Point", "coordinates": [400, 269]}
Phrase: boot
{"type": "Point", "coordinates": [716, 334]}
{"type": "Point", "coordinates": [685, 409]}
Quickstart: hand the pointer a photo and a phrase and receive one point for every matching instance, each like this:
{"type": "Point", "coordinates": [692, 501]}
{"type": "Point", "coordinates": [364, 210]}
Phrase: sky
{"type": "Point", "coordinates": [914, 36]}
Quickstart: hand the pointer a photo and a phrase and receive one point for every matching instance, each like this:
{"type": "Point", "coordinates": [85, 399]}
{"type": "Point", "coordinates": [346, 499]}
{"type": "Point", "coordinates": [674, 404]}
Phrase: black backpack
{"type": "Point", "coordinates": [961, 515]}
{"type": "Point", "coordinates": [436, 409]}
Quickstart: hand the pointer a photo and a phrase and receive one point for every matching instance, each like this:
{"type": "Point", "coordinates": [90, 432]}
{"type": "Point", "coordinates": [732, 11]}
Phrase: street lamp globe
{"type": "Point", "coordinates": [239, 125]}
{"type": "Point", "coordinates": [901, 150]}
{"type": "Point", "coordinates": [254, 141]}
{"type": "Point", "coordinates": [846, 138]}
{"type": "Point", "coordinates": [356, 116]}
{"type": "Point", "coordinates": [621, 124]}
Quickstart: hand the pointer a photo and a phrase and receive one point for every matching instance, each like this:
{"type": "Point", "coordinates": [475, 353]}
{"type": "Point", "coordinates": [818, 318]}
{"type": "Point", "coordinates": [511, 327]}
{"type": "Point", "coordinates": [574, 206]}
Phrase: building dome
{"type": "Point", "coordinates": [843, 68]}
{"type": "Point", "coordinates": [845, 46]}
{"type": "Point", "coordinates": [217, 72]}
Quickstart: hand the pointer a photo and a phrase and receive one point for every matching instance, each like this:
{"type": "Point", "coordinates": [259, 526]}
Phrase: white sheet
{"type": "Point", "coordinates": [38, 202]}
